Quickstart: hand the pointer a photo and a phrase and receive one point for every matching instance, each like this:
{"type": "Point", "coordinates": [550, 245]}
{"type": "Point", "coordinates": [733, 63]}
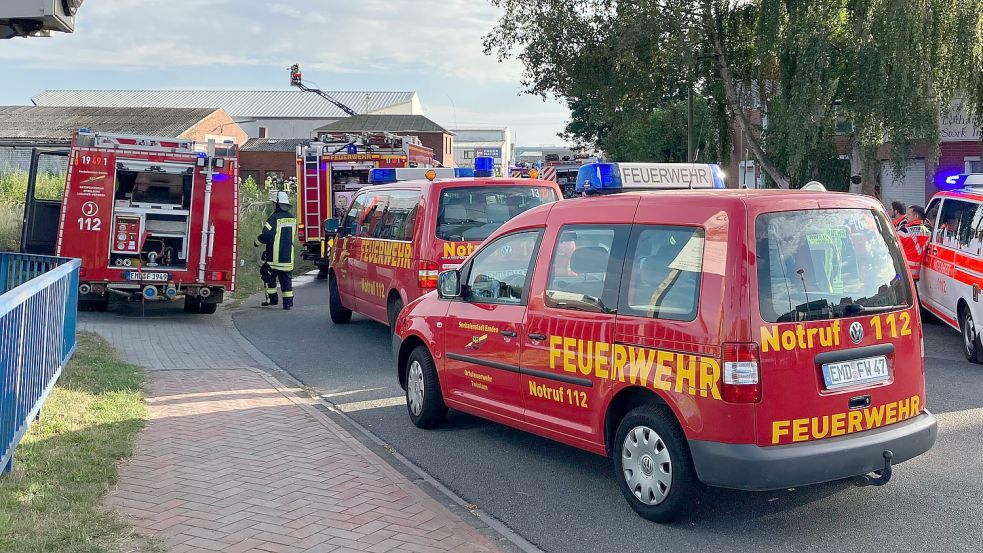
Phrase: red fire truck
{"type": "Point", "coordinates": [331, 169]}
{"type": "Point", "coordinates": [150, 217]}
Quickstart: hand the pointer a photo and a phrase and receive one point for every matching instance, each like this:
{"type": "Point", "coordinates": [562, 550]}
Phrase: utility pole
{"type": "Point", "coordinates": [690, 137]}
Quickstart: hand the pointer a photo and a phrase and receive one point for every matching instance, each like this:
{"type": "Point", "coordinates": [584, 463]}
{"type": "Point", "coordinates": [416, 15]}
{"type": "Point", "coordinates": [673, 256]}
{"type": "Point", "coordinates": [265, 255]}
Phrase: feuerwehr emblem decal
{"type": "Point", "coordinates": [856, 332]}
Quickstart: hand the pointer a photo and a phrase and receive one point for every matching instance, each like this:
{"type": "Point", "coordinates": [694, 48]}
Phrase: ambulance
{"type": "Point", "coordinates": [952, 269]}
{"type": "Point", "coordinates": [744, 339]}
{"type": "Point", "coordinates": [151, 218]}
{"type": "Point", "coordinates": [395, 238]}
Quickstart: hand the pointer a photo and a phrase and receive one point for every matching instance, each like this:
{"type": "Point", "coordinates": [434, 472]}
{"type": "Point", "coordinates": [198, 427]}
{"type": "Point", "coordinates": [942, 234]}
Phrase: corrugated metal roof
{"type": "Point", "coordinates": [384, 123]}
{"type": "Point", "coordinates": [45, 123]}
{"type": "Point", "coordinates": [237, 103]}
{"type": "Point", "coordinates": [273, 144]}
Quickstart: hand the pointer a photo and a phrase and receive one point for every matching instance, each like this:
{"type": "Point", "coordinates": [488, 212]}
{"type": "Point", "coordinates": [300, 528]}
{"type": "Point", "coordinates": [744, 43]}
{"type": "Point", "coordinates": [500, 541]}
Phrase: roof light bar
{"type": "Point", "coordinates": [600, 178]}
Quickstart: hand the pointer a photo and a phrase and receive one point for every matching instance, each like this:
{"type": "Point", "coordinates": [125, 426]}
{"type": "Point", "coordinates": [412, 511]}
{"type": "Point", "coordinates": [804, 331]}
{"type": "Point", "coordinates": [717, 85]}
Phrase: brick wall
{"type": "Point", "coordinates": [441, 144]}
{"type": "Point", "coordinates": [263, 164]}
{"type": "Point", "coordinates": [218, 123]}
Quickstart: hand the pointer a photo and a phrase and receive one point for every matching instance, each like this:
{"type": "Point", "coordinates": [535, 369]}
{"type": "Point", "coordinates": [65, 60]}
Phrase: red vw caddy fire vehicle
{"type": "Point", "coordinates": [148, 216]}
{"type": "Point", "coordinates": [396, 237]}
{"type": "Point", "coordinates": [744, 339]}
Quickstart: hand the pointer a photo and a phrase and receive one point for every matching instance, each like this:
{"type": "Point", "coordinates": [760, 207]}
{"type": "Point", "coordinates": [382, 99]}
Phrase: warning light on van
{"type": "Point", "coordinates": [484, 166]}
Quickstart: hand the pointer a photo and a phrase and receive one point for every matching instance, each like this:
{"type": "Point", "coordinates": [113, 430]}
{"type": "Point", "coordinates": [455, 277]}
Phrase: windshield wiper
{"type": "Point", "coordinates": [857, 309]}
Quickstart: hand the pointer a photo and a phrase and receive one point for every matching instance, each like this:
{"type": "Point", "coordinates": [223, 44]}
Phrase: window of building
{"type": "Point", "coordinates": [468, 154]}
{"type": "Point", "coordinates": [973, 165]}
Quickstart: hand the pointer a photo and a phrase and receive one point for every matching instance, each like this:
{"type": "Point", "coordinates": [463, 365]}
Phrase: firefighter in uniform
{"type": "Point", "coordinates": [279, 234]}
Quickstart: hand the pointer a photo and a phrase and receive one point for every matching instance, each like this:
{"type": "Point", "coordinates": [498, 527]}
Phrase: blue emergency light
{"type": "Point", "coordinates": [607, 178]}
{"type": "Point", "coordinates": [484, 166]}
{"type": "Point", "coordinates": [965, 180]}
{"type": "Point", "coordinates": [463, 172]}
{"type": "Point", "coordinates": [351, 149]}
{"type": "Point", "coordinates": [382, 176]}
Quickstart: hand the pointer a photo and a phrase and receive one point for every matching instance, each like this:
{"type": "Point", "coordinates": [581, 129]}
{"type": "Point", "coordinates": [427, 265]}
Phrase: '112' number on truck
{"type": "Point", "coordinates": [90, 223]}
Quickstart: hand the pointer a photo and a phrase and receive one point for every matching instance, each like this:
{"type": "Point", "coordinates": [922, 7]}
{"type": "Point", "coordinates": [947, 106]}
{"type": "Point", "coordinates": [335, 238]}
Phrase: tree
{"type": "Point", "coordinates": [885, 66]}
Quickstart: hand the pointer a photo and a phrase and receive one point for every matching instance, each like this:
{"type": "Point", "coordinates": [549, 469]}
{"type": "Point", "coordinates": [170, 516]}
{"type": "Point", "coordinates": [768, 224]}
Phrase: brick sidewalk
{"type": "Point", "coordinates": [234, 461]}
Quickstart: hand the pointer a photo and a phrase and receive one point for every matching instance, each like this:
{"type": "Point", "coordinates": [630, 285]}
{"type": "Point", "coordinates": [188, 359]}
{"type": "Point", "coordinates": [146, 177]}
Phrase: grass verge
{"type": "Point", "coordinates": [68, 460]}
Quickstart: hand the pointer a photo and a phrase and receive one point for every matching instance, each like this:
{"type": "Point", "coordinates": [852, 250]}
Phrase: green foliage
{"type": "Point", "coordinates": [887, 66]}
{"type": "Point", "coordinates": [69, 459]}
{"type": "Point", "coordinates": [13, 192]}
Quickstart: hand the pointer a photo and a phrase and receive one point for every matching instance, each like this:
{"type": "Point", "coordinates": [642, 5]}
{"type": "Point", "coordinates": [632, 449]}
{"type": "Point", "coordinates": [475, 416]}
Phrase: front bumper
{"type": "Point", "coordinates": [754, 468]}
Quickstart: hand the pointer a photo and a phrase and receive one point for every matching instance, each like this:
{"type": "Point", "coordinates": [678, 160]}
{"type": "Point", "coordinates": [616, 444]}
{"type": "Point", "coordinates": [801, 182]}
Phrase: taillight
{"type": "Point", "coordinates": [742, 378]}
{"type": "Point", "coordinates": [217, 275]}
{"type": "Point", "coordinates": [427, 271]}
{"type": "Point", "coordinates": [301, 233]}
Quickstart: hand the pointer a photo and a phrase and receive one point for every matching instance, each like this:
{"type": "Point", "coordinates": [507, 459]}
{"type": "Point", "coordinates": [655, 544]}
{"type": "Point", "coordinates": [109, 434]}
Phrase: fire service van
{"type": "Point", "coordinates": [332, 169]}
{"type": "Point", "coordinates": [150, 217]}
{"type": "Point", "coordinates": [754, 340]}
{"type": "Point", "coordinates": [395, 238]}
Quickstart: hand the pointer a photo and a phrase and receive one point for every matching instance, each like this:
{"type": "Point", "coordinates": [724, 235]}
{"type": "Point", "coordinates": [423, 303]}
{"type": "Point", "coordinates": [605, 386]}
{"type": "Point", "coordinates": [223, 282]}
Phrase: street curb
{"type": "Point", "coordinates": [279, 373]}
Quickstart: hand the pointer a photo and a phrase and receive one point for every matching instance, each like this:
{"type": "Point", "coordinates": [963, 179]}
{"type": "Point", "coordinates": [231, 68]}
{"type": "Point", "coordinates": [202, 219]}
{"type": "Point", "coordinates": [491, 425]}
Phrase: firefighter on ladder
{"type": "Point", "coordinates": [279, 234]}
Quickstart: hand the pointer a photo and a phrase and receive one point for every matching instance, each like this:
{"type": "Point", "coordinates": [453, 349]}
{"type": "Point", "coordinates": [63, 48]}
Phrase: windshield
{"type": "Point", "coordinates": [473, 213]}
{"type": "Point", "coordinates": [826, 264]}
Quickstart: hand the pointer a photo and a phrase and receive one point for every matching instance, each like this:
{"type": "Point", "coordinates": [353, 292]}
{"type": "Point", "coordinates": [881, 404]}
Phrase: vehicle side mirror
{"type": "Point", "coordinates": [331, 225]}
{"type": "Point", "coordinates": [449, 284]}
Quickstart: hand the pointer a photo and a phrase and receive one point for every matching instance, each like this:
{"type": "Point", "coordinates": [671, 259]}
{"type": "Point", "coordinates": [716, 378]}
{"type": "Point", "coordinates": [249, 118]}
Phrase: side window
{"type": "Point", "coordinates": [500, 272]}
{"type": "Point", "coordinates": [932, 214]}
{"type": "Point", "coordinates": [662, 279]}
{"type": "Point", "coordinates": [370, 224]}
{"type": "Point", "coordinates": [354, 215]}
{"type": "Point", "coordinates": [585, 271]}
{"type": "Point", "coordinates": [399, 219]}
{"type": "Point", "coordinates": [955, 228]}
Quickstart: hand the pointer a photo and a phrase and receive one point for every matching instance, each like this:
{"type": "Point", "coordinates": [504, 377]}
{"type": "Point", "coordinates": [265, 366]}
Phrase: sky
{"type": "Point", "coordinates": [433, 47]}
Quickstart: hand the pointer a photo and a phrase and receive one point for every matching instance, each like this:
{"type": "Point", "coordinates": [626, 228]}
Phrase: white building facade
{"type": "Point", "coordinates": [472, 142]}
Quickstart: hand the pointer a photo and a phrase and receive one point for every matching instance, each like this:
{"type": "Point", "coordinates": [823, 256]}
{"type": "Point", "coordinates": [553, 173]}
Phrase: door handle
{"type": "Point", "coordinates": [537, 336]}
{"type": "Point", "coordinates": [508, 333]}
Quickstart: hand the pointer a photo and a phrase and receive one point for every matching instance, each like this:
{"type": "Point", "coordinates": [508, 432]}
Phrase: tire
{"type": "Point", "coordinates": [191, 305]}
{"type": "Point", "coordinates": [208, 308]}
{"type": "Point", "coordinates": [101, 305]}
{"type": "Point", "coordinates": [972, 348]}
{"type": "Point", "coordinates": [395, 307]}
{"type": "Point", "coordinates": [339, 313]}
{"type": "Point", "coordinates": [322, 272]}
{"type": "Point", "coordinates": [424, 400]}
{"type": "Point", "coordinates": [649, 443]}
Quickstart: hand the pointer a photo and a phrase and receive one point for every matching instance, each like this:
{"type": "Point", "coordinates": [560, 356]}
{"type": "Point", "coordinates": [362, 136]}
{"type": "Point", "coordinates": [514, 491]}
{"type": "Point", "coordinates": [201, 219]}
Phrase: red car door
{"type": "Point", "coordinates": [482, 330]}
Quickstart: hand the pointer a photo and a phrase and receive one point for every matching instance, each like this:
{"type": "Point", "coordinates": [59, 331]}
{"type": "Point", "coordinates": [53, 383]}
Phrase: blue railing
{"type": "Point", "coordinates": [38, 306]}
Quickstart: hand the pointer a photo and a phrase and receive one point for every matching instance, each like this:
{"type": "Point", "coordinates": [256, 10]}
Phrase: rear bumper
{"type": "Point", "coordinates": [749, 467]}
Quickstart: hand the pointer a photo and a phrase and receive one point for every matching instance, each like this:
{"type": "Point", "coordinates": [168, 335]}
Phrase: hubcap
{"type": "Point", "coordinates": [646, 465]}
{"type": "Point", "coordinates": [414, 388]}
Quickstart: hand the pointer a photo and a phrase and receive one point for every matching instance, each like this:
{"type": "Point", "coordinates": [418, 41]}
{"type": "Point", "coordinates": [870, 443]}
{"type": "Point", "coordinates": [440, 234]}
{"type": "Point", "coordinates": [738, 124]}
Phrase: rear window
{"type": "Point", "coordinates": [827, 264]}
{"type": "Point", "coordinates": [473, 213]}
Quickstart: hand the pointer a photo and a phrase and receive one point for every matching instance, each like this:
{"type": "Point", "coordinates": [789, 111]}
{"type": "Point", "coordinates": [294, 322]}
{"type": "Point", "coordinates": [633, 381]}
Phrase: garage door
{"type": "Point", "coordinates": [909, 190]}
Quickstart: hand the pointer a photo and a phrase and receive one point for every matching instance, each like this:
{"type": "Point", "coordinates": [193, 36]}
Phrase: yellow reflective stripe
{"type": "Point", "coordinates": [281, 225]}
{"type": "Point", "coordinates": [271, 290]}
{"type": "Point", "coordinates": [281, 266]}
{"type": "Point", "coordinates": [267, 226]}
{"type": "Point", "coordinates": [288, 294]}
{"type": "Point", "coordinates": [257, 243]}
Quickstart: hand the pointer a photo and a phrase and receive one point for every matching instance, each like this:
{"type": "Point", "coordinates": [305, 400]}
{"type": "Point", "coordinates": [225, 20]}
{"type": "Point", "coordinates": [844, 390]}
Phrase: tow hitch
{"type": "Point", "coordinates": [883, 475]}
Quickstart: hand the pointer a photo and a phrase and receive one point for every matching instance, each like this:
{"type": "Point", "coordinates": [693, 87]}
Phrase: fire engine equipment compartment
{"type": "Point", "coordinates": [151, 214]}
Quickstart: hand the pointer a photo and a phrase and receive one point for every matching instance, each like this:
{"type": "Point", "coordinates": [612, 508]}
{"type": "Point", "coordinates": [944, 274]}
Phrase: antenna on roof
{"type": "Point", "coordinates": [297, 81]}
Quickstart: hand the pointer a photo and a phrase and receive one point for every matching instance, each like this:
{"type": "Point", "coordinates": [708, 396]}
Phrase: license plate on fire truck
{"type": "Point", "coordinates": [147, 276]}
{"type": "Point", "coordinates": [854, 371]}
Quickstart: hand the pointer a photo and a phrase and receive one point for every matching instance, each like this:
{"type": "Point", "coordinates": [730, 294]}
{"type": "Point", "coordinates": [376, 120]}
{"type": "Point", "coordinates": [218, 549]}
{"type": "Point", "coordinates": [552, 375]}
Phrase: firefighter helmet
{"type": "Point", "coordinates": [281, 198]}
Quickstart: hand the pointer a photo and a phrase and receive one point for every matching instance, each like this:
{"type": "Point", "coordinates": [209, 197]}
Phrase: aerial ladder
{"type": "Point", "coordinates": [297, 81]}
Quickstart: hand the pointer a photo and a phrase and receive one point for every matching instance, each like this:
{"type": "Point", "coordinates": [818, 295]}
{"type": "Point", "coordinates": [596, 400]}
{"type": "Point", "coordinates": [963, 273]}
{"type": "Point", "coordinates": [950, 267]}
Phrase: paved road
{"type": "Point", "coordinates": [565, 500]}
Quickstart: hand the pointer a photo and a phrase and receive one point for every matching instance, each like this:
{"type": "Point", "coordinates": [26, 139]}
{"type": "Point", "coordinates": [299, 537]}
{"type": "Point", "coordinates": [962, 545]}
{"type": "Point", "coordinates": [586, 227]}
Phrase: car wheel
{"type": "Point", "coordinates": [653, 465]}
{"type": "Point", "coordinates": [971, 338]}
{"type": "Point", "coordinates": [191, 305]}
{"type": "Point", "coordinates": [395, 307]}
{"type": "Point", "coordinates": [322, 272]}
{"type": "Point", "coordinates": [424, 401]}
{"type": "Point", "coordinates": [339, 313]}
